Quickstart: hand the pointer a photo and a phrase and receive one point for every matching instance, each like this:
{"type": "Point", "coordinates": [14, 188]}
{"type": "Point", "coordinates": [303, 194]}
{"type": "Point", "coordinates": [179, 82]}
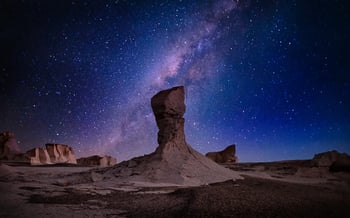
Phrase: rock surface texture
{"type": "Point", "coordinates": [51, 154]}
{"type": "Point", "coordinates": [38, 156]}
{"type": "Point", "coordinates": [228, 155]}
{"type": "Point", "coordinates": [95, 160]}
{"type": "Point", "coordinates": [59, 153]}
{"type": "Point", "coordinates": [8, 146]}
{"type": "Point", "coordinates": [174, 162]}
{"type": "Point", "coordinates": [334, 160]}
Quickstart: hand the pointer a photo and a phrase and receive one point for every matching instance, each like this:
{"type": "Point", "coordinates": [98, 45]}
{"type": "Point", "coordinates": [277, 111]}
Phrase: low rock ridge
{"type": "Point", "coordinates": [96, 160]}
{"type": "Point", "coordinates": [333, 160]}
{"type": "Point", "coordinates": [228, 155]}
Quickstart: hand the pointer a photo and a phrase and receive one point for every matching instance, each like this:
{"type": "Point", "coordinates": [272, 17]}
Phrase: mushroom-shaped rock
{"type": "Point", "coordinates": [174, 162]}
{"type": "Point", "coordinates": [168, 107]}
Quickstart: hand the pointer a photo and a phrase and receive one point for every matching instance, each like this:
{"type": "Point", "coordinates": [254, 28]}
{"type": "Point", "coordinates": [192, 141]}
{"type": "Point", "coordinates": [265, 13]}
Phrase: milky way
{"type": "Point", "coordinates": [271, 77]}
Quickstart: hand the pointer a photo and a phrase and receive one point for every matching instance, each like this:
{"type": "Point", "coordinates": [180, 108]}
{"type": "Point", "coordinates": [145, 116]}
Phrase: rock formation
{"type": "Point", "coordinates": [53, 153]}
{"type": "Point", "coordinates": [38, 156]}
{"type": "Point", "coordinates": [333, 160]}
{"type": "Point", "coordinates": [174, 162]}
{"type": "Point", "coordinates": [323, 164]}
{"type": "Point", "coordinates": [59, 153]}
{"type": "Point", "coordinates": [228, 155]}
{"type": "Point", "coordinates": [168, 108]}
{"type": "Point", "coordinates": [8, 146]}
{"type": "Point", "coordinates": [95, 160]}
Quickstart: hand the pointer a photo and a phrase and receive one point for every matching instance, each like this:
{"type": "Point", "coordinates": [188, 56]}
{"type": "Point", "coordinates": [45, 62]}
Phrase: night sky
{"type": "Point", "coordinates": [273, 77]}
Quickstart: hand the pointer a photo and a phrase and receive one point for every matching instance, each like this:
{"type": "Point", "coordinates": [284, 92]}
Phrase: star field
{"type": "Point", "coordinates": [270, 76]}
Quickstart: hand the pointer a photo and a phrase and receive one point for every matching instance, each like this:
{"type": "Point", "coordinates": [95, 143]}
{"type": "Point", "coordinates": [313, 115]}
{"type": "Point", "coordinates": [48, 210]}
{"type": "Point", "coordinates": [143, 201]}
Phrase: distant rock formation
{"type": "Point", "coordinates": [8, 146]}
{"type": "Point", "coordinates": [228, 155]}
{"type": "Point", "coordinates": [334, 160]}
{"type": "Point", "coordinates": [323, 164]}
{"type": "Point", "coordinates": [313, 172]}
{"type": "Point", "coordinates": [174, 162]}
{"type": "Point", "coordinates": [59, 153]}
{"type": "Point", "coordinates": [51, 154]}
{"type": "Point", "coordinates": [95, 160]}
{"type": "Point", "coordinates": [38, 156]}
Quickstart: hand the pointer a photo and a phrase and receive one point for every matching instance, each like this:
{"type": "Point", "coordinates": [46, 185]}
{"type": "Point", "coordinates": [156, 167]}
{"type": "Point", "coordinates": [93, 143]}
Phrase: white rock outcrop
{"type": "Point", "coordinates": [38, 156]}
{"type": "Point", "coordinates": [60, 153]}
{"type": "Point", "coordinates": [51, 154]}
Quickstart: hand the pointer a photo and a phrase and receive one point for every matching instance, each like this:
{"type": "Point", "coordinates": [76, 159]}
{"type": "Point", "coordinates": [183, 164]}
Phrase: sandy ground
{"type": "Point", "coordinates": [267, 190]}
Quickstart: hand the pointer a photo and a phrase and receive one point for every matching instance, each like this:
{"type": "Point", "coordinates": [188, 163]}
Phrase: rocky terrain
{"type": "Point", "coordinates": [173, 181]}
{"type": "Point", "coordinates": [267, 190]}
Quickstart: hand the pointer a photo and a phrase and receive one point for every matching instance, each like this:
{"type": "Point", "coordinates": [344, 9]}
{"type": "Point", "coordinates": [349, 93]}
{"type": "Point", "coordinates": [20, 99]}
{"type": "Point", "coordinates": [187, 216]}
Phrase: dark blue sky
{"type": "Point", "coordinates": [271, 76]}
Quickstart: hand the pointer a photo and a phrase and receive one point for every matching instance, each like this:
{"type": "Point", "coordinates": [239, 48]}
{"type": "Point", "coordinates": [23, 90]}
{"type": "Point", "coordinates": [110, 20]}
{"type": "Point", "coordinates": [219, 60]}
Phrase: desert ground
{"type": "Point", "coordinates": [267, 190]}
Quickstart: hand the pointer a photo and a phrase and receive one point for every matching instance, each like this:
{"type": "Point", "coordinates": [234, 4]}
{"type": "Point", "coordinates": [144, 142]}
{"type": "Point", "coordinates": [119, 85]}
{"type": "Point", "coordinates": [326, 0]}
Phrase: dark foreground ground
{"type": "Point", "coordinates": [251, 197]}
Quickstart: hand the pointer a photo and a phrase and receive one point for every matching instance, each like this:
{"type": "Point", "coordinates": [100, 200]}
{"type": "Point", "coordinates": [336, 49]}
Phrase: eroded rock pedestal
{"type": "Point", "coordinates": [168, 108]}
{"type": "Point", "coordinates": [174, 162]}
